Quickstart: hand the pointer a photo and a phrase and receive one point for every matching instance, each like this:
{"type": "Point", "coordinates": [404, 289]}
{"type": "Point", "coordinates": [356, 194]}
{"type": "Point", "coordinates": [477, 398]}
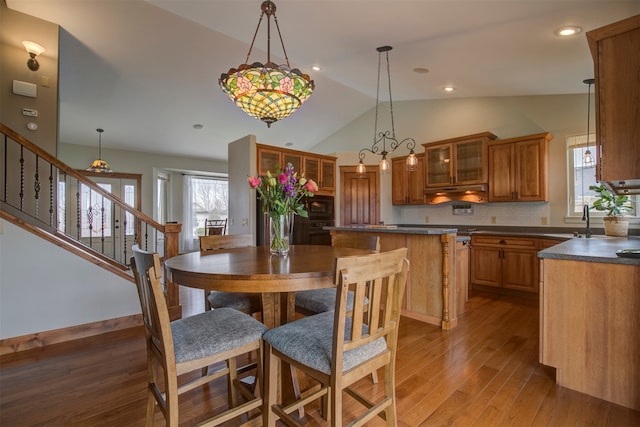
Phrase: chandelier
{"type": "Point", "coordinates": [382, 138]}
{"type": "Point", "coordinates": [268, 92]}
{"type": "Point", "coordinates": [99, 165]}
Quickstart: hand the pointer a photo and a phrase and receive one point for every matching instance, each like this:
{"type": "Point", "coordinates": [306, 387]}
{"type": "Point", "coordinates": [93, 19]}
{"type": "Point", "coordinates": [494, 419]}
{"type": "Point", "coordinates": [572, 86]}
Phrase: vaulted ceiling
{"type": "Point", "coordinates": [147, 71]}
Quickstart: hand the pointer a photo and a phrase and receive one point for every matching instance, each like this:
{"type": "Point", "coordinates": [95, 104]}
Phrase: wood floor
{"type": "Point", "coordinates": [483, 373]}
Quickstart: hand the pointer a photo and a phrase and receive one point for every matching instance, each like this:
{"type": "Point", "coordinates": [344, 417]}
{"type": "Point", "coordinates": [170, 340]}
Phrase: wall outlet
{"type": "Point", "coordinates": [493, 220]}
{"type": "Point", "coordinates": [545, 220]}
{"type": "Point", "coordinates": [426, 219]}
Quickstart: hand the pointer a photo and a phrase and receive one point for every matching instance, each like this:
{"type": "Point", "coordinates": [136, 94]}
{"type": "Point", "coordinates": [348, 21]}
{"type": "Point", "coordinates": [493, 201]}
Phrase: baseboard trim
{"type": "Point", "coordinates": [57, 336]}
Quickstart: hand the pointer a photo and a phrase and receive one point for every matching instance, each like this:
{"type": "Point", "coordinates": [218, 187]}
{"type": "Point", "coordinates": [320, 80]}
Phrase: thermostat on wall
{"type": "Point", "coordinates": [25, 89]}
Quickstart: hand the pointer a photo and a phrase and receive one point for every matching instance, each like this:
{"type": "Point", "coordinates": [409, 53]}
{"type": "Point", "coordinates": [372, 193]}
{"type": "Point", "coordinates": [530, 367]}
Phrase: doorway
{"type": "Point", "coordinates": [360, 197]}
{"type": "Point", "coordinates": [98, 222]}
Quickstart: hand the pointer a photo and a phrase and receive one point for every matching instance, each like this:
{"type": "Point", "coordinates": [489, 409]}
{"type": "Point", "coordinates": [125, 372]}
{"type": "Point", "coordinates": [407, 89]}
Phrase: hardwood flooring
{"type": "Point", "coordinates": [485, 372]}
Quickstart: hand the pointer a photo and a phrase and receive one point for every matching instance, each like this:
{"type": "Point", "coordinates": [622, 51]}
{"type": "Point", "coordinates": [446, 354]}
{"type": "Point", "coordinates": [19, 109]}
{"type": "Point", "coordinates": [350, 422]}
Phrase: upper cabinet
{"type": "Point", "coordinates": [321, 169]}
{"type": "Point", "coordinates": [407, 187]}
{"type": "Point", "coordinates": [457, 161]}
{"type": "Point", "coordinates": [616, 55]}
{"type": "Point", "coordinates": [518, 169]}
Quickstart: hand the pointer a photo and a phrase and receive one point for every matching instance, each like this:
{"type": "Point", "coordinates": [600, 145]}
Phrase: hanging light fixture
{"type": "Point", "coordinates": [588, 158]}
{"type": "Point", "coordinates": [99, 165]}
{"type": "Point", "coordinates": [268, 92]}
{"type": "Point", "coordinates": [380, 139]}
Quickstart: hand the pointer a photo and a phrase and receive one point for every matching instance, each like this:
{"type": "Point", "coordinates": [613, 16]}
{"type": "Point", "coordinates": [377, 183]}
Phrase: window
{"type": "Point", "coordinates": [582, 175]}
{"type": "Point", "coordinates": [208, 198]}
{"type": "Point", "coordinates": [162, 197]}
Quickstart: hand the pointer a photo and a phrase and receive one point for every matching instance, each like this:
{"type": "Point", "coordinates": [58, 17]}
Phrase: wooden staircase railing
{"type": "Point", "coordinates": [35, 195]}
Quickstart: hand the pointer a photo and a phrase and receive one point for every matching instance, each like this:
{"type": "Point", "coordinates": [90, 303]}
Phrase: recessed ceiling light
{"type": "Point", "coordinates": [288, 144]}
{"type": "Point", "coordinates": [315, 68]}
{"type": "Point", "coordinates": [567, 31]}
{"type": "Point", "coordinates": [421, 70]}
{"type": "Point", "coordinates": [198, 126]}
{"type": "Point", "coordinates": [449, 89]}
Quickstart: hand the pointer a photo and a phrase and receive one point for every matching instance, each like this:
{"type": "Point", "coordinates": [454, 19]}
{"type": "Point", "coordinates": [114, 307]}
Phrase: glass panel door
{"type": "Point", "coordinates": [469, 162]}
{"type": "Point", "coordinates": [439, 165]}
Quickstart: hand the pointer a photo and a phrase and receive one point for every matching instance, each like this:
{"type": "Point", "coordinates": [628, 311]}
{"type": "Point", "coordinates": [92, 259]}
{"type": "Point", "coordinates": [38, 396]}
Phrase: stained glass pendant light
{"type": "Point", "coordinates": [99, 165]}
{"type": "Point", "coordinates": [268, 92]}
{"type": "Point", "coordinates": [381, 138]}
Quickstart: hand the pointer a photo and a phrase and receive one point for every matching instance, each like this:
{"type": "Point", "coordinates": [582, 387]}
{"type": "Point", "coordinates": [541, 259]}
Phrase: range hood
{"type": "Point", "coordinates": [628, 187]}
{"type": "Point", "coordinates": [476, 193]}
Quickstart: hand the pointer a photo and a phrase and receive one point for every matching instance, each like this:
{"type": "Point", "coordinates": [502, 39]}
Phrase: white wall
{"type": "Point", "coordinates": [44, 287]}
{"type": "Point", "coordinates": [506, 117]}
{"type": "Point", "coordinates": [242, 199]}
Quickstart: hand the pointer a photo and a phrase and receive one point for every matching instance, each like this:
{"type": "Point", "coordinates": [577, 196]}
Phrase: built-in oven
{"type": "Point", "coordinates": [320, 207]}
{"type": "Point", "coordinates": [306, 231]}
{"type": "Point", "coordinates": [310, 231]}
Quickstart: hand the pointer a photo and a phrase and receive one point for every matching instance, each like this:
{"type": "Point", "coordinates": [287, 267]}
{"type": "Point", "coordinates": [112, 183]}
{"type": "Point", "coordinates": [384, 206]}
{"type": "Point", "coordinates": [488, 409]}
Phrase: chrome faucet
{"type": "Point", "coordinates": [585, 217]}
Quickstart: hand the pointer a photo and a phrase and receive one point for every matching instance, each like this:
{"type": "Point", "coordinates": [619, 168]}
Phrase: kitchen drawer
{"type": "Point", "coordinates": [520, 242]}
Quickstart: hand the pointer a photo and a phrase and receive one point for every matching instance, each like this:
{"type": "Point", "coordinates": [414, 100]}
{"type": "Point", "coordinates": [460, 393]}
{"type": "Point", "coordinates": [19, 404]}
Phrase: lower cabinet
{"type": "Point", "coordinates": [505, 262]}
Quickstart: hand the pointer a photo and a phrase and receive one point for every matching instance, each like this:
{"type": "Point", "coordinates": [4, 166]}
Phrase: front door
{"type": "Point", "coordinates": [99, 223]}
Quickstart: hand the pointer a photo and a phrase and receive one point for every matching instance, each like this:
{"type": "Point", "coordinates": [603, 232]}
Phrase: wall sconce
{"type": "Point", "coordinates": [33, 49]}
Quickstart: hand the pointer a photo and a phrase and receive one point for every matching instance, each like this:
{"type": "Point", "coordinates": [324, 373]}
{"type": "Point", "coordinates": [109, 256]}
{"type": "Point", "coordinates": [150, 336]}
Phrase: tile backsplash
{"type": "Point", "coordinates": [501, 214]}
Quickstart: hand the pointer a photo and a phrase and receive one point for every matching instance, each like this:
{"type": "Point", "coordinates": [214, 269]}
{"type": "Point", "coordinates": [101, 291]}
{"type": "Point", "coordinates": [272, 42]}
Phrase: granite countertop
{"type": "Point", "coordinates": [402, 230]}
{"type": "Point", "coordinates": [394, 229]}
{"type": "Point", "coordinates": [596, 249]}
{"type": "Point", "coordinates": [536, 234]}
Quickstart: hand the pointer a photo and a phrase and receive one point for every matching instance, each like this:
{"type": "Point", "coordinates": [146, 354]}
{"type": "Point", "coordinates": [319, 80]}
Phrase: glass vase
{"type": "Point", "coordinates": [279, 232]}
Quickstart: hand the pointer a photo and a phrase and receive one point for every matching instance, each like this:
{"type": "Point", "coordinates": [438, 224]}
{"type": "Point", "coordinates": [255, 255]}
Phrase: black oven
{"type": "Point", "coordinates": [309, 231]}
{"type": "Point", "coordinates": [306, 231]}
{"type": "Point", "coordinates": [320, 207]}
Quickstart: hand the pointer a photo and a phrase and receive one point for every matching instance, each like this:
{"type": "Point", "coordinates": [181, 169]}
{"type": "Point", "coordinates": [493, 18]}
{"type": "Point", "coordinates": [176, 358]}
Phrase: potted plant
{"type": "Point", "coordinates": [615, 205]}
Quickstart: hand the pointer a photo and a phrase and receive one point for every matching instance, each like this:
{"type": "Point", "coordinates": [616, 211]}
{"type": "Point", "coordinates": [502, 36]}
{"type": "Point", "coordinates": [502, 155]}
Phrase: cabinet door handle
{"type": "Point", "coordinates": [503, 242]}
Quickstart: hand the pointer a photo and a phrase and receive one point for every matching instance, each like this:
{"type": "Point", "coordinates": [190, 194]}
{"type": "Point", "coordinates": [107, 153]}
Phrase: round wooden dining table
{"type": "Point", "coordinates": [255, 270]}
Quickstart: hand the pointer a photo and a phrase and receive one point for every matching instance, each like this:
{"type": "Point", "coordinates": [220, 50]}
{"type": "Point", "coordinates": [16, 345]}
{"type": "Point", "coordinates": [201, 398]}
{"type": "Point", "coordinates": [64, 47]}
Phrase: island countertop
{"type": "Point", "coordinates": [596, 249]}
{"type": "Point", "coordinates": [394, 229]}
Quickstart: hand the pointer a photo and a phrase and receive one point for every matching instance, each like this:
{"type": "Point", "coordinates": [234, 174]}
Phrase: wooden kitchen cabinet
{"type": "Point", "coordinates": [322, 171]}
{"type": "Point", "coordinates": [268, 159]}
{"type": "Point", "coordinates": [320, 168]}
{"type": "Point", "coordinates": [616, 55]}
{"type": "Point", "coordinates": [431, 293]}
{"type": "Point", "coordinates": [407, 187]}
{"type": "Point", "coordinates": [457, 161]}
{"type": "Point", "coordinates": [519, 169]}
{"type": "Point", "coordinates": [505, 262]}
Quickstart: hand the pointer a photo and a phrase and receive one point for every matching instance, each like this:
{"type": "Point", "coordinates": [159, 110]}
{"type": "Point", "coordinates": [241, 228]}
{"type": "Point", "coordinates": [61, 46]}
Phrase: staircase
{"type": "Point", "coordinates": [93, 224]}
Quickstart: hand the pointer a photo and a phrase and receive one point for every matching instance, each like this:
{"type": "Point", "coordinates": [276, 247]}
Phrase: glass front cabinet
{"type": "Point", "coordinates": [457, 161]}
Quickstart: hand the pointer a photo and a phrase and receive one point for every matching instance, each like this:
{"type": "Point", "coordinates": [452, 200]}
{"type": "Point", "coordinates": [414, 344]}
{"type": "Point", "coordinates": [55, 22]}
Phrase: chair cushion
{"type": "Point", "coordinates": [247, 303]}
{"type": "Point", "coordinates": [321, 300]}
{"type": "Point", "coordinates": [310, 342]}
{"type": "Point", "coordinates": [213, 332]}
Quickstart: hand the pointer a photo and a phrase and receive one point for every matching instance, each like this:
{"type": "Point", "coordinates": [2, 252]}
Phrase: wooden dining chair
{"type": "Point", "coordinates": [244, 302]}
{"type": "Point", "coordinates": [340, 347]}
{"type": "Point", "coordinates": [320, 300]}
{"type": "Point", "coordinates": [191, 344]}
{"type": "Point", "coordinates": [215, 226]}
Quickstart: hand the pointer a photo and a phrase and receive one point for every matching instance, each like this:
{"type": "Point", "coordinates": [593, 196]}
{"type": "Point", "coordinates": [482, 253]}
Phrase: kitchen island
{"type": "Point", "coordinates": [590, 317]}
{"type": "Point", "coordinates": [438, 269]}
